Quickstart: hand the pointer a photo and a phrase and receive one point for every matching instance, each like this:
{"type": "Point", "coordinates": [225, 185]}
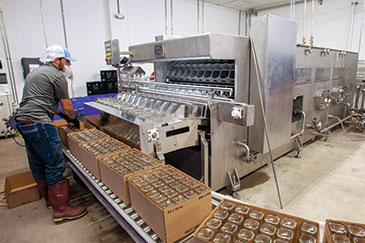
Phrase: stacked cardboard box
{"type": "Point", "coordinates": [90, 152]}
{"type": "Point", "coordinates": [341, 231]}
{"type": "Point", "coordinates": [233, 221]}
{"type": "Point", "coordinates": [116, 168]}
{"type": "Point", "coordinates": [172, 203]}
{"type": "Point", "coordinates": [76, 138]}
{"type": "Point", "coordinates": [64, 130]}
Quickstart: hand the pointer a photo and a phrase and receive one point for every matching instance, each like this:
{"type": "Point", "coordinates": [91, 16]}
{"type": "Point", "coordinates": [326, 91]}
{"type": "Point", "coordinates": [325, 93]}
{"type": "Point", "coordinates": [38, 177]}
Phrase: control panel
{"type": "Point", "coordinates": [322, 99]}
{"type": "Point", "coordinates": [112, 52]}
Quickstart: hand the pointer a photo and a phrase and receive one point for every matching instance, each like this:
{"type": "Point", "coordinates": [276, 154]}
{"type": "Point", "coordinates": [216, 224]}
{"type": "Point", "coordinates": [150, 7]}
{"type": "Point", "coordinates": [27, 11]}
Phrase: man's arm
{"type": "Point", "coordinates": [67, 108]}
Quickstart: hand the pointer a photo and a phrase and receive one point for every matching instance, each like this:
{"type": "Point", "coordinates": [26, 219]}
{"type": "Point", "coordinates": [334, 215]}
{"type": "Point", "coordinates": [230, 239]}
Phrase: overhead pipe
{"type": "Point", "coordinates": [109, 20]}
{"type": "Point", "coordinates": [239, 22]}
{"type": "Point", "coordinates": [166, 28]}
{"type": "Point", "coordinates": [4, 36]}
{"type": "Point", "coordinates": [43, 23]}
{"type": "Point", "coordinates": [352, 23]}
{"type": "Point", "coordinates": [63, 23]}
{"type": "Point", "coordinates": [304, 21]}
{"type": "Point", "coordinates": [198, 14]}
{"type": "Point", "coordinates": [362, 24]}
{"type": "Point", "coordinates": [172, 18]}
{"type": "Point", "coordinates": [203, 16]}
{"type": "Point", "coordinates": [312, 24]}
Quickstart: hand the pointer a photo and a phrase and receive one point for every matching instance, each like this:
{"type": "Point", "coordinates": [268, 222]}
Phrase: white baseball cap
{"type": "Point", "coordinates": [56, 51]}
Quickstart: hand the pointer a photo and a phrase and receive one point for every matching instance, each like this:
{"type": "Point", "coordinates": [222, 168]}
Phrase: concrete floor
{"type": "Point", "coordinates": [327, 182]}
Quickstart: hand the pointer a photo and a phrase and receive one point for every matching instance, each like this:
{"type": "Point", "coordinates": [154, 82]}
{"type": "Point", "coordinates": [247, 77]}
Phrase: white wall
{"type": "Point", "coordinates": [90, 22]}
{"type": "Point", "coordinates": [332, 22]}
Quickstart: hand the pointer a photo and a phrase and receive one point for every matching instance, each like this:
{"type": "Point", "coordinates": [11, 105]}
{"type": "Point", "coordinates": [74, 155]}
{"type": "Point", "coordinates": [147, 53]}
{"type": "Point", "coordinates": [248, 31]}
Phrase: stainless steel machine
{"type": "Point", "coordinates": [203, 112]}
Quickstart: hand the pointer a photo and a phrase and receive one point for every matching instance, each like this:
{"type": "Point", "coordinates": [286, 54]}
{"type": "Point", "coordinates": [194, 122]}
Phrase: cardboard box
{"type": "Point", "coordinates": [74, 145]}
{"type": "Point", "coordinates": [327, 236]}
{"type": "Point", "coordinates": [59, 123]}
{"type": "Point", "coordinates": [227, 204]}
{"type": "Point", "coordinates": [21, 189]}
{"type": "Point", "coordinates": [65, 129]}
{"type": "Point", "coordinates": [117, 179]}
{"type": "Point", "coordinates": [181, 219]}
{"type": "Point", "coordinates": [89, 160]}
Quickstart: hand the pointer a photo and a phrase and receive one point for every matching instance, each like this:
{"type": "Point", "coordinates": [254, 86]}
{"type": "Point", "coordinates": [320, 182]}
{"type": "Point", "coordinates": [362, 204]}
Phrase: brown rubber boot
{"type": "Point", "coordinates": [59, 198]}
{"type": "Point", "coordinates": [43, 190]}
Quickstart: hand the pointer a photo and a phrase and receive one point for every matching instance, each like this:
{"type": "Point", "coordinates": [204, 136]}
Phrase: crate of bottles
{"type": "Point", "coordinates": [345, 232]}
{"type": "Point", "coordinates": [116, 168]}
{"type": "Point", "coordinates": [233, 221]}
{"type": "Point", "coordinates": [91, 152]}
{"type": "Point", "coordinates": [63, 130]}
{"type": "Point", "coordinates": [74, 139]}
{"type": "Point", "coordinates": [172, 203]}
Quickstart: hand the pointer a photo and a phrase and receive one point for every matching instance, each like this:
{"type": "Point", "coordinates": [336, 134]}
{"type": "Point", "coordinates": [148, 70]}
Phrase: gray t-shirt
{"type": "Point", "coordinates": [43, 89]}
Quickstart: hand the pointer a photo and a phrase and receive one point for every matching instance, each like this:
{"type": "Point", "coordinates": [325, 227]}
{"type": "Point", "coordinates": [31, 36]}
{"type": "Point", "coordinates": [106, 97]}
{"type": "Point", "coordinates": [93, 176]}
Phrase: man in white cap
{"type": "Point", "coordinates": [46, 87]}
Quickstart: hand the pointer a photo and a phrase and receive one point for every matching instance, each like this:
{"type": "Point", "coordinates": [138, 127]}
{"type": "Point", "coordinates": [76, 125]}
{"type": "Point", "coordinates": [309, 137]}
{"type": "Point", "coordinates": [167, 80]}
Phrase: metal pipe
{"type": "Point", "coordinates": [172, 17]}
{"type": "Point", "coordinates": [63, 23]}
{"type": "Point", "coordinates": [265, 121]}
{"type": "Point", "coordinates": [4, 36]}
{"type": "Point", "coordinates": [203, 16]}
{"type": "Point", "coordinates": [208, 88]}
{"type": "Point", "coordinates": [239, 22]}
{"type": "Point", "coordinates": [245, 146]}
{"type": "Point", "coordinates": [361, 28]}
{"type": "Point", "coordinates": [166, 28]}
{"type": "Point", "coordinates": [352, 23]}
{"type": "Point", "coordinates": [43, 23]}
{"type": "Point", "coordinates": [200, 98]}
{"type": "Point", "coordinates": [303, 127]}
{"type": "Point", "coordinates": [198, 14]}
{"type": "Point", "coordinates": [312, 24]}
{"type": "Point", "coordinates": [304, 20]}
{"type": "Point", "coordinates": [109, 20]}
{"type": "Point", "coordinates": [248, 23]}
{"type": "Point", "coordinates": [325, 130]}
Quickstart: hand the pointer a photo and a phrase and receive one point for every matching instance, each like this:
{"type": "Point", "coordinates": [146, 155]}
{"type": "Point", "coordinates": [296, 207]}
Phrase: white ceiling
{"type": "Point", "coordinates": [248, 4]}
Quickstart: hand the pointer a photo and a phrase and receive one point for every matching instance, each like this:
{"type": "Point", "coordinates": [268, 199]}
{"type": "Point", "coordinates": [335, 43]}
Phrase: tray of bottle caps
{"type": "Point", "coordinates": [345, 232]}
{"type": "Point", "coordinates": [237, 222]}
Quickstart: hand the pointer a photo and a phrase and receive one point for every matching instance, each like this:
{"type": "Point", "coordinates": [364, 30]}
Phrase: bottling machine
{"type": "Point", "coordinates": [203, 112]}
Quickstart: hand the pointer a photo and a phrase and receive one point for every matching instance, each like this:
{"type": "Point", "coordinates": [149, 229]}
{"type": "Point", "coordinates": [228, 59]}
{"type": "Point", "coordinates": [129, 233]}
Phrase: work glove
{"type": "Point", "coordinates": [74, 120]}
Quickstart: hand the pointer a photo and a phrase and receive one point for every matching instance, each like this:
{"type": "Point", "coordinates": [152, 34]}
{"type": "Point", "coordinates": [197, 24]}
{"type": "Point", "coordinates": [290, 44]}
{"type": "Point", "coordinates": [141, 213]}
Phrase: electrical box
{"type": "Point", "coordinates": [95, 88]}
{"type": "Point", "coordinates": [29, 64]}
{"type": "Point", "coordinates": [108, 75]}
{"type": "Point", "coordinates": [112, 52]}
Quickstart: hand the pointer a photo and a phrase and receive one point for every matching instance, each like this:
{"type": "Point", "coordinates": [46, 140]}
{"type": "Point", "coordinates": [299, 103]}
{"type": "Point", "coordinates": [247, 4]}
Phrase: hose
{"type": "Point", "coordinates": [346, 133]}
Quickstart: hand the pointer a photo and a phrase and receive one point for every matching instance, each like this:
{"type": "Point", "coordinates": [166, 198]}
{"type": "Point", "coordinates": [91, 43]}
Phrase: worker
{"type": "Point", "coordinates": [46, 87]}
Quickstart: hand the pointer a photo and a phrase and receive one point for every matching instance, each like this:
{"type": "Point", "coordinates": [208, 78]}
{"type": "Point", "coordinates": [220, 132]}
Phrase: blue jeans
{"type": "Point", "coordinates": [44, 150]}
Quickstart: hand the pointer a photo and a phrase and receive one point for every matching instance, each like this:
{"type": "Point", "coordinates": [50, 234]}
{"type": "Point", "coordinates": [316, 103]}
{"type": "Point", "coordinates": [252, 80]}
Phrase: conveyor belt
{"type": "Point", "coordinates": [124, 214]}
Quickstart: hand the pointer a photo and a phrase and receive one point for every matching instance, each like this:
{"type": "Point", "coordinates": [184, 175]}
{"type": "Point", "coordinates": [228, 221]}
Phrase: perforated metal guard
{"type": "Point", "coordinates": [220, 73]}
